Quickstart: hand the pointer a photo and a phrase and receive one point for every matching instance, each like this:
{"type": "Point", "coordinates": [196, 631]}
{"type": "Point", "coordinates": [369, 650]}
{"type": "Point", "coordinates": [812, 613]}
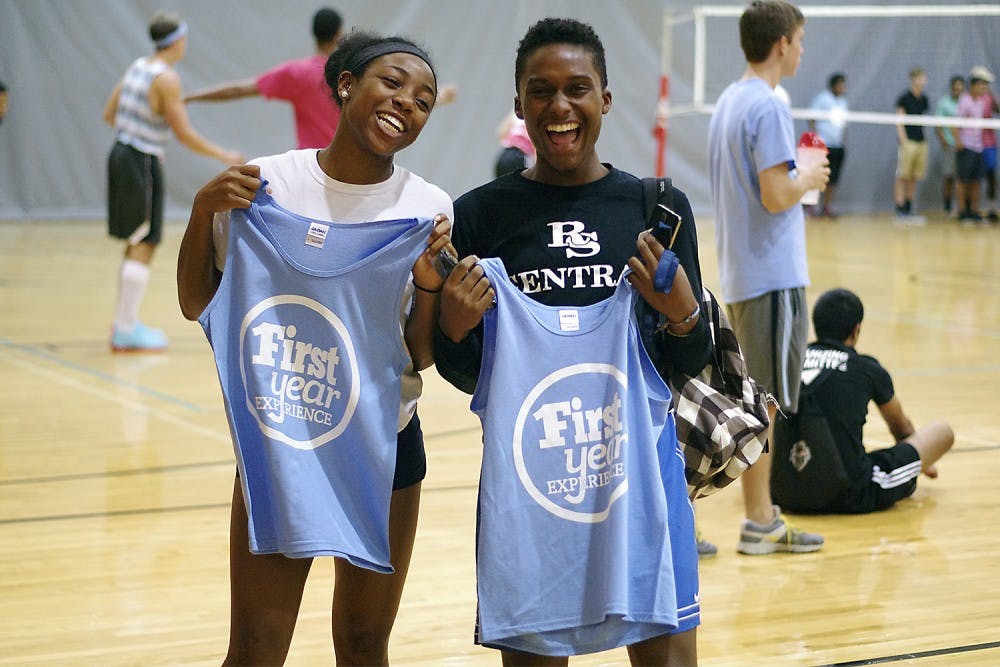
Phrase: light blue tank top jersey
{"type": "Point", "coordinates": [573, 549]}
{"type": "Point", "coordinates": [307, 342]}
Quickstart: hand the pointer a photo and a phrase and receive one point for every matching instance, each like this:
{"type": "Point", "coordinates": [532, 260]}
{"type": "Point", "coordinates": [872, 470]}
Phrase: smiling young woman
{"type": "Point", "coordinates": [312, 481]}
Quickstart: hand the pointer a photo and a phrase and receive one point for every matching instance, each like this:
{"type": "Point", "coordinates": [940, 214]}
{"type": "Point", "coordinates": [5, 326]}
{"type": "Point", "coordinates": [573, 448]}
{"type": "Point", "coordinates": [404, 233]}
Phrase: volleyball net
{"type": "Point", "coordinates": [875, 46]}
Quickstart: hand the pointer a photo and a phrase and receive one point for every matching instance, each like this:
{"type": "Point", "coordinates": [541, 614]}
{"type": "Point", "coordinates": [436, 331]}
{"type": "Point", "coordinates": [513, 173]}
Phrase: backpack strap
{"type": "Point", "coordinates": [656, 191]}
{"type": "Point", "coordinates": [807, 393]}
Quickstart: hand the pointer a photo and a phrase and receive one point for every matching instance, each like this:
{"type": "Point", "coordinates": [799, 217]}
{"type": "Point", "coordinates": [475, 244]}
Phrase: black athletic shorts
{"type": "Point", "coordinates": [135, 195]}
{"type": "Point", "coordinates": [969, 166]}
{"type": "Point", "coordinates": [893, 477]}
{"type": "Point", "coordinates": [411, 459]}
{"type": "Point", "coordinates": [836, 157]}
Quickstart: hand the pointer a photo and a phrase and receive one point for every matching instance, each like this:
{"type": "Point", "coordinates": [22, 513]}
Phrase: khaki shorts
{"type": "Point", "coordinates": [911, 164]}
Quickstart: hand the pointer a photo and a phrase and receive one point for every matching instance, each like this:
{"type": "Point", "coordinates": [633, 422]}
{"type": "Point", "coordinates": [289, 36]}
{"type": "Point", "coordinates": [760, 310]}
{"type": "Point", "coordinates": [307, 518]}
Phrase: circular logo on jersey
{"type": "Point", "coordinates": [299, 369]}
{"type": "Point", "coordinates": [570, 442]}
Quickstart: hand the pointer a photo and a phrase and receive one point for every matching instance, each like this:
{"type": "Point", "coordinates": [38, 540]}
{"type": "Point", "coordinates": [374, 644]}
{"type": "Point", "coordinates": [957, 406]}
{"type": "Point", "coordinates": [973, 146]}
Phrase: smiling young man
{"type": "Point", "coordinates": [565, 228]}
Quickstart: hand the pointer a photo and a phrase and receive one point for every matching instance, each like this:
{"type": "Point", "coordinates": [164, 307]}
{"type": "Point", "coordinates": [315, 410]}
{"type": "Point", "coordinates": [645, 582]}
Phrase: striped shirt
{"type": "Point", "coordinates": [137, 125]}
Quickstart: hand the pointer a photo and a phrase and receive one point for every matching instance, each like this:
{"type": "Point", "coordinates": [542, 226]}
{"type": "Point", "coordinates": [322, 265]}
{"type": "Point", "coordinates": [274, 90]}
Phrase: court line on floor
{"type": "Point", "coordinates": [916, 655]}
{"type": "Point", "coordinates": [171, 468]}
{"type": "Point", "coordinates": [981, 444]}
{"type": "Point", "coordinates": [114, 513]}
{"type": "Point", "coordinates": [107, 377]}
{"type": "Point", "coordinates": [174, 509]}
{"type": "Point", "coordinates": [948, 273]}
{"type": "Point", "coordinates": [458, 431]}
{"type": "Point", "coordinates": [984, 446]}
{"type": "Point", "coordinates": [126, 472]}
{"type": "Point", "coordinates": [36, 368]}
{"type": "Point", "coordinates": [944, 325]}
{"type": "Point", "coordinates": [946, 370]}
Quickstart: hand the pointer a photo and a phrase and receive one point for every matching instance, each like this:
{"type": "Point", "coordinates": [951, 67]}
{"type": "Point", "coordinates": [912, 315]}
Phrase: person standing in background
{"type": "Point", "coordinates": [832, 131]}
{"type": "Point", "coordinates": [911, 160]}
{"type": "Point", "coordinates": [145, 106]}
{"type": "Point", "coordinates": [302, 84]}
{"type": "Point", "coordinates": [989, 148]}
{"type": "Point", "coordinates": [516, 150]}
{"type": "Point", "coordinates": [286, 509]}
{"type": "Point", "coordinates": [298, 82]}
{"type": "Point", "coordinates": [947, 107]}
{"type": "Point", "coordinates": [3, 101]}
{"type": "Point", "coordinates": [971, 163]}
{"type": "Point", "coordinates": [761, 240]}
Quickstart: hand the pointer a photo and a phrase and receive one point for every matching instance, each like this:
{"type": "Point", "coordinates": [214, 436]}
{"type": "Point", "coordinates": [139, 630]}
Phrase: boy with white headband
{"type": "Point", "coordinates": [145, 106]}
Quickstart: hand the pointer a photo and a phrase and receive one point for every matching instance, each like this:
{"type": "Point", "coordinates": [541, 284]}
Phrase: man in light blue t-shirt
{"type": "Point", "coordinates": [760, 239]}
{"type": "Point", "coordinates": [832, 131]}
{"type": "Point", "coordinates": [947, 107]}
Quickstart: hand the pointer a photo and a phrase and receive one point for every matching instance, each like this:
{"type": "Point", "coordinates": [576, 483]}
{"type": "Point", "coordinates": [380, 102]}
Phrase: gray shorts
{"type": "Point", "coordinates": [772, 330]}
{"type": "Point", "coordinates": [948, 159]}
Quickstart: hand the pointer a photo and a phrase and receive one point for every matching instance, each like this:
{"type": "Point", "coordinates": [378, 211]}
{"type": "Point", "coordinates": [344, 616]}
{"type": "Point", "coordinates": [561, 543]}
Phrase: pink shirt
{"type": "Point", "coordinates": [301, 82]}
{"type": "Point", "coordinates": [974, 107]}
{"type": "Point", "coordinates": [989, 136]}
{"type": "Point", "coordinates": [517, 137]}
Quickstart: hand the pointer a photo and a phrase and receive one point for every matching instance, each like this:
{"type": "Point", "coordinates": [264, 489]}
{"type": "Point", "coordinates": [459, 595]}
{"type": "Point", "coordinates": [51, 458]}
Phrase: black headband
{"type": "Point", "coordinates": [373, 51]}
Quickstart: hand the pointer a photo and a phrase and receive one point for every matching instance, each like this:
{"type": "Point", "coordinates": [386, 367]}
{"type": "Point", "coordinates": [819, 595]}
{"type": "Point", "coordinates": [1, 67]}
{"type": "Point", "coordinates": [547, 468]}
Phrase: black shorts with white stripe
{"type": "Point", "coordinates": [893, 477]}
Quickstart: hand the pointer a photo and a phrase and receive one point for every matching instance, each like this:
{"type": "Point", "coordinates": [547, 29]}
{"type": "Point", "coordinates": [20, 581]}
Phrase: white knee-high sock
{"type": "Point", "coordinates": [132, 281]}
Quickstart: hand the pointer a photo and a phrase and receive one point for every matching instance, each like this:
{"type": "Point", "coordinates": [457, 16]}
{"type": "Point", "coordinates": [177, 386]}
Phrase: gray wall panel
{"type": "Point", "coordinates": [61, 58]}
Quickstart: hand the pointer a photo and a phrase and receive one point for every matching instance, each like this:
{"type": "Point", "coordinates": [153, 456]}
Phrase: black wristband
{"type": "Point", "coordinates": [424, 289]}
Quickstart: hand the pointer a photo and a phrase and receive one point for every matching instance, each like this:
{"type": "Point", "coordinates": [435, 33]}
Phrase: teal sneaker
{"type": "Point", "coordinates": [140, 339]}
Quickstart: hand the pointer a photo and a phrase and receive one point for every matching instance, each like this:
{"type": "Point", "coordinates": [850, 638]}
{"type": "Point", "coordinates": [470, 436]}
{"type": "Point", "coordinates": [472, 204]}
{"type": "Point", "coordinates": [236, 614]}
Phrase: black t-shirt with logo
{"type": "Point", "coordinates": [562, 245]}
{"type": "Point", "coordinates": [843, 382]}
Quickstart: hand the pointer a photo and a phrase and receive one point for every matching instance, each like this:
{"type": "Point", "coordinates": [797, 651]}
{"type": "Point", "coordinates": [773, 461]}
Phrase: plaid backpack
{"type": "Point", "coordinates": [721, 413]}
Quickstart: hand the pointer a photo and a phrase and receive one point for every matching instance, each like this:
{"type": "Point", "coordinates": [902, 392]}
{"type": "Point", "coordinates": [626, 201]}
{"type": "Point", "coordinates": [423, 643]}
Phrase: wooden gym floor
{"type": "Point", "coordinates": [116, 473]}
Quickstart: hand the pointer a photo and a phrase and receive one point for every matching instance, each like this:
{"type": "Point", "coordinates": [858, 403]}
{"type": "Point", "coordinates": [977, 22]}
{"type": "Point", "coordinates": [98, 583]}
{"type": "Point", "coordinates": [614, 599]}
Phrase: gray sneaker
{"type": "Point", "coordinates": [779, 535]}
{"type": "Point", "coordinates": [705, 548]}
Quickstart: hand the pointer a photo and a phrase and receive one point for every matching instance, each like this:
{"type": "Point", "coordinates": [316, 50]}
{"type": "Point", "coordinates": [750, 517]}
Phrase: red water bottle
{"type": "Point", "coordinates": [811, 150]}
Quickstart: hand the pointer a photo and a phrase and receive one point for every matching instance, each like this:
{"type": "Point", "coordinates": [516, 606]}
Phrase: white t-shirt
{"type": "Point", "coordinates": [296, 182]}
{"type": "Point", "coordinates": [831, 131]}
